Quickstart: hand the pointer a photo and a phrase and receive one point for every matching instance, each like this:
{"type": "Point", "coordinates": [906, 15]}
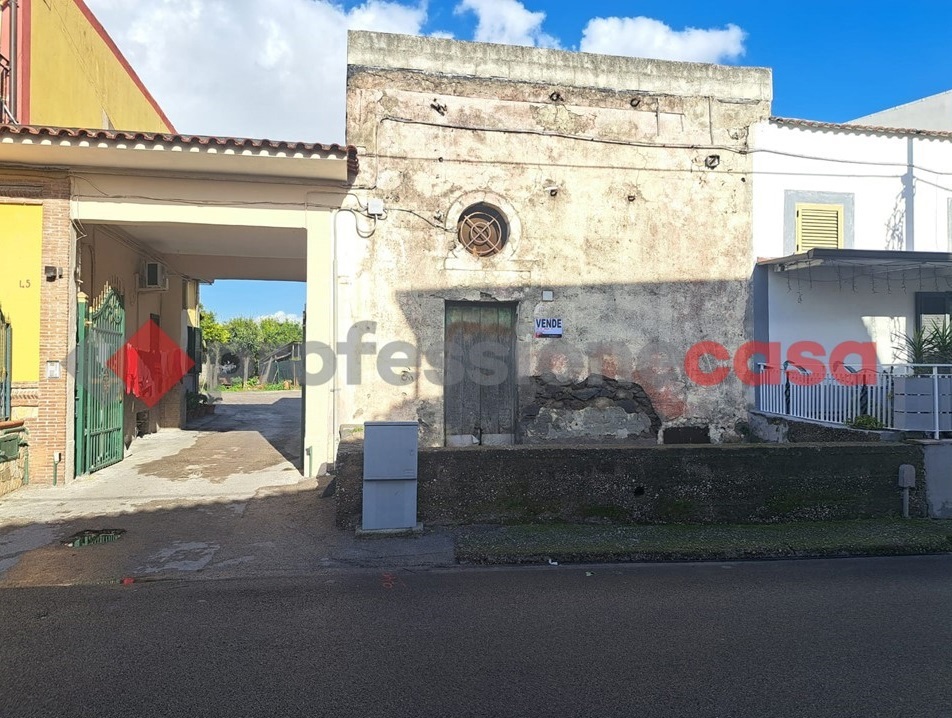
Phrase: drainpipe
{"type": "Point", "coordinates": [335, 394]}
{"type": "Point", "coordinates": [57, 457]}
{"type": "Point", "coordinates": [909, 195]}
{"type": "Point", "coordinates": [14, 45]}
{"type": "Point", "coordinates": [335, 389]}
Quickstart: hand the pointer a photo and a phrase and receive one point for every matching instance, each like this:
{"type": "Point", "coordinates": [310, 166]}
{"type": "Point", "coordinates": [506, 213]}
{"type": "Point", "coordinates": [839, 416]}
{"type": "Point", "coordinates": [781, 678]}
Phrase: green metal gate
{"type": "Point", "coordinates": [6, 366]}
{"type": "Point", "coordinates": [101, 334]}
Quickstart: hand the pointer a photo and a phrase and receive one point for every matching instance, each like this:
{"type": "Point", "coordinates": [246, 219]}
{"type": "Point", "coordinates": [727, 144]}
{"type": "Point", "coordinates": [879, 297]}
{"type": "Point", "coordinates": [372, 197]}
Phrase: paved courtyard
{"type": "Point", "coordinates": [224, 498]}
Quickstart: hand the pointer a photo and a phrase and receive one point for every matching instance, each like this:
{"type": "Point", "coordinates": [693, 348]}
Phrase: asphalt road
{"type": "Point", "coordinates": [868, 637]}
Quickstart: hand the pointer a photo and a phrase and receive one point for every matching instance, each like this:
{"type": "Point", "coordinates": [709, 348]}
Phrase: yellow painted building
{"type": "Point", "coordinates": [63, 70]}
{"type": "Point", "coordinates": [58, 68]}
{"type": "Point", "coordinates": [21, 229]}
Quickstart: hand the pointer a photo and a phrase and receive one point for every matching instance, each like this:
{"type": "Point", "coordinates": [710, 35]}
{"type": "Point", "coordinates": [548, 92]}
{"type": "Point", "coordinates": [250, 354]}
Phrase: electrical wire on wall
{"type": "Point", "coordinates": [740, 150]}
{"type": "Point", "coordinates": [363, 234]}
{"type": "Point", "coordinates": [422, 217]}
{"type": "Point", "coordinates": [567, 136]}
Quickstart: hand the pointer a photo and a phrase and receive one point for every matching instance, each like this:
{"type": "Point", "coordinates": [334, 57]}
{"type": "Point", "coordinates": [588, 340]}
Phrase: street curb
{"type": "Point", "coordinates": [571, 558]}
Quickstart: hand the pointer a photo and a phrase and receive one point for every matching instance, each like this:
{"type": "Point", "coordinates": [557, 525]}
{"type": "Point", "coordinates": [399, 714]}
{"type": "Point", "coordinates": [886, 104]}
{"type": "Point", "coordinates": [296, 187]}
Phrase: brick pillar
{"type": "Point", "coordinates": [57, 339]}
{"type": "Point", "coordinates": [51, 423]}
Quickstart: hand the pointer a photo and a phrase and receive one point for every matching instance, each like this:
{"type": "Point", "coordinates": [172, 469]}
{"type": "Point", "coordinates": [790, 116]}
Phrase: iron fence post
{"type": "Point", "coordinates": [82, 304]}
{"type": "Point", "coordinates": [786, 390]}
{"type": "Point", "coordinates": [935, 398]}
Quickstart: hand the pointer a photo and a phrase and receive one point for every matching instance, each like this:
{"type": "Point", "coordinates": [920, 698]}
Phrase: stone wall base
{"type": "Point", "coordinates": [735, 483]}
{"type": "Point", "coordinates": [13, 472]}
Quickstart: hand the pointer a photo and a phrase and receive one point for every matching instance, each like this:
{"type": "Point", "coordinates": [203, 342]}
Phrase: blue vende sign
{"type": "Point", "coordinates": [548, 327]}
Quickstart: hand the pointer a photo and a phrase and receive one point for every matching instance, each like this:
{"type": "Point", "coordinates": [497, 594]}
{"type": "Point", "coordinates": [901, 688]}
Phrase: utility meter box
{"type": "Point", "coordinates": [9, 447]}
{"type": "Point", "coordinates": [390, 450]}
{"type": "Point", "coordinates": [390, 475]}
{"type": "Point", "coordinates": [907, 476]}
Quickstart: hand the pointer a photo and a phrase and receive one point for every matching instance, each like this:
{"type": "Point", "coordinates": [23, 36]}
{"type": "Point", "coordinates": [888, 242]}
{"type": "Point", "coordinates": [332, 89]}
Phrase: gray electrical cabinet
{"type": "Point", "coordinates": [390, 475]}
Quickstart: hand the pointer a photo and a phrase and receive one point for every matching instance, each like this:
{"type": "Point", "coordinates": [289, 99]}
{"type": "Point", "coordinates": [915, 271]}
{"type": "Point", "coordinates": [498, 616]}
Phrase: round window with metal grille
{"type": "Point", "coordinates": [483, 230]}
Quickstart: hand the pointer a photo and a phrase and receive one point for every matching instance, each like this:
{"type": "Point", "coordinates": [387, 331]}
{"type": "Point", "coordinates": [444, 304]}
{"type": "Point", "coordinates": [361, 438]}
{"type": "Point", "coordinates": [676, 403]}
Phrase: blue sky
{"type": "Point", "coordinates": [275, 68]}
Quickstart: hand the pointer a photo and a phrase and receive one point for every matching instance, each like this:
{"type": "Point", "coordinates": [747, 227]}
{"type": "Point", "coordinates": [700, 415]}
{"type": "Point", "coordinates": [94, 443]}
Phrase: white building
{"type": "Point", "coordinates": [929, 113]}
{"type": "Point", "coordinates": [852, 237]}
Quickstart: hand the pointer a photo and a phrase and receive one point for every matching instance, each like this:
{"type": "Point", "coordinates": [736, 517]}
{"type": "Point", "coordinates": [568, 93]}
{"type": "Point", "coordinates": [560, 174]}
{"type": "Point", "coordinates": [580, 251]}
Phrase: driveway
{"type": "Point", "coordinates": [223, 498]}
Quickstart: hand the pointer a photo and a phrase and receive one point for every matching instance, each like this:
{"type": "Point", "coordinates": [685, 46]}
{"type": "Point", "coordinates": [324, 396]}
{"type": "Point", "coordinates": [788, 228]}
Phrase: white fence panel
{"type": "Point", "coordinates": [901, 396]}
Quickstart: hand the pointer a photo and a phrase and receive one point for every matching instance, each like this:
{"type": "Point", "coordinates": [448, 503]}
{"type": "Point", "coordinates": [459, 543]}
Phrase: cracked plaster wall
{"type": "Point", "coordinates": [644, 247]}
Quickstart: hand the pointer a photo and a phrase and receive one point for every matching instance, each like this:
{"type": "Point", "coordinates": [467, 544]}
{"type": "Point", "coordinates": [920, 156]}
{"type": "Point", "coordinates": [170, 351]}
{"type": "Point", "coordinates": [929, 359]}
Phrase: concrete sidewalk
{"type": "Point", "coordinates": [223, 499]}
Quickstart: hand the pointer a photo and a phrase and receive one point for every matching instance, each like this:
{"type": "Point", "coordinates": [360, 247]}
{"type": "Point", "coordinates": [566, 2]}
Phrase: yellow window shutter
{"type": "Point", "coordinates": [819, 226]}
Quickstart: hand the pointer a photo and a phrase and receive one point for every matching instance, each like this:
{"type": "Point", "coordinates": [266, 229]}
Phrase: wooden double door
{"type": "Point", "coordinates": [480, 373]}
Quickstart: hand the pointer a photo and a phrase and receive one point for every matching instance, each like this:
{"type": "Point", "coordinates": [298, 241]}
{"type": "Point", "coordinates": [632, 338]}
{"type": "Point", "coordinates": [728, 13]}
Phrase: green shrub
{"type": "Point", "coordinates": [865, 421]}
{"type": "Point", "coordinates": [928, 345]}
{"type": "Point", "coordinates": [194, 400]}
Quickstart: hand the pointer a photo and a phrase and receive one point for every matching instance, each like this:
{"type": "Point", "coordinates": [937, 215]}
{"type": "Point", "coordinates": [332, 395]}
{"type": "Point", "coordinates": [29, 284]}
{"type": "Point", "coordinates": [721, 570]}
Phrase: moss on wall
{"type": "Point", "coordinates": [739, 483]}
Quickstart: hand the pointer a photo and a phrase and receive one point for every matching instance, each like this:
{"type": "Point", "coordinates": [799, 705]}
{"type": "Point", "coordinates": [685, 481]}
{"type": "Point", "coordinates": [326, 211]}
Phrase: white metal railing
{"type": "Point", "coordinates": [906, 397]}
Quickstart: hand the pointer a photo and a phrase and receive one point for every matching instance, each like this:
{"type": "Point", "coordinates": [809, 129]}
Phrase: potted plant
{"type": "Point", "coordinates": [197, 405]}
{"type": "Point", "coordinates": [914, 394]}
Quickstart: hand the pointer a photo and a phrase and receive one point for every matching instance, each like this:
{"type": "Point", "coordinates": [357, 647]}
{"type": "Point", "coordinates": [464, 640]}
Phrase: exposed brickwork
{"type": "Point", "coordinates": [170, 410]}
{"type": "Point", "coordinates": [51, 428]}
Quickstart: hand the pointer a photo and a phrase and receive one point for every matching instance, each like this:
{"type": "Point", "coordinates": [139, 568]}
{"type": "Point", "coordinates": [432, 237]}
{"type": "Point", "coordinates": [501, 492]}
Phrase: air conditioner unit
{"type": "Point", "coordinates": [154, 277]}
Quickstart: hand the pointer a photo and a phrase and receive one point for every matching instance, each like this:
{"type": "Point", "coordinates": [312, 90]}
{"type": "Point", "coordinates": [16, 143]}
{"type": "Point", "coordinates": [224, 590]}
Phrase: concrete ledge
{"type": "Point", "coordinates": [388, 533]}
{"type": "Point", "coordinates": [785, 429]}
{"type": "Point", "coordinates": [557, 67]}
{"type": "Point", "coordinates": [938, 476]}
{"type": "Point", "coordinates": [726, 483]}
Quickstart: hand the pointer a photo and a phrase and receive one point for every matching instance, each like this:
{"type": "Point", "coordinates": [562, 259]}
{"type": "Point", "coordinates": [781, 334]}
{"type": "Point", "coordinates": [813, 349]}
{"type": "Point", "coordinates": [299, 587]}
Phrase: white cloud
{"type": "Point", "coordinates": [253, 68]}
{"type": "Point", "coordinates": [507, 22]}
{"type": "Point", "coordinates": [645, 37]}
{"type": "Point", "coordinates": [277, 68]}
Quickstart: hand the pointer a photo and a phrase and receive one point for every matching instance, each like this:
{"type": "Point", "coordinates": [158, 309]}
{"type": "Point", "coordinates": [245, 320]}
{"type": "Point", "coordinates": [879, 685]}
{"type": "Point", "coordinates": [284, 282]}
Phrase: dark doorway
{"type": "Point", "coordinates": [933, 309]}
{"type": "Point", "coordinates": [480, 390]}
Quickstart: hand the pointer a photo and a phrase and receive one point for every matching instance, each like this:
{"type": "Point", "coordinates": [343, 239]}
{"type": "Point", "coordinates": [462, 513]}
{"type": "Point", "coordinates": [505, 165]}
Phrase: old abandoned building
{"type": "Point", "coordinates": [566, 225]}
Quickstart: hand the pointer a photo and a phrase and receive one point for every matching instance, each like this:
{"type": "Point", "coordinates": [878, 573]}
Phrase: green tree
{"type": "Point", "coordinates": [275, 333]}
{"type": "Point", "coordinates": [245, 339]}
{"type": "Point", "coordinates": [214, 339]}
{"type": "Point", "coordinates": [212, 331]}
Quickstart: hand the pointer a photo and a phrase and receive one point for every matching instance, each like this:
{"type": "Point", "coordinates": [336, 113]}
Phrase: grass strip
{"type": "Point", "coordinates": [573, 543]}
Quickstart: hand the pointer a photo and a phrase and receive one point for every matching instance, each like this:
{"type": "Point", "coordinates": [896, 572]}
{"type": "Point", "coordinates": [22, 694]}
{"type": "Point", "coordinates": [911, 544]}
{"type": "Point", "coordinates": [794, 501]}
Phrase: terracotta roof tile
{"type": "Point", "coordinates": [237, 143]}
{"type": "Point", "coordinates": [862, 129]}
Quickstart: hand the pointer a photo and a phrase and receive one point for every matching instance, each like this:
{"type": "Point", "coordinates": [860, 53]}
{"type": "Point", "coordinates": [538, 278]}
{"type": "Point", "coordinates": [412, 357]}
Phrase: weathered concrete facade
{"type": "Point", "coordinates": [626, 187]}
{"type": "Point", "coordinates": [751, 484]}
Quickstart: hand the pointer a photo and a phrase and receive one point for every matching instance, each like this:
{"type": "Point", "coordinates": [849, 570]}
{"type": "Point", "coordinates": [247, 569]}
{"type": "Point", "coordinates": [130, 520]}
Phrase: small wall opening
{"type": "Point", "coordinates": [686, 435]}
